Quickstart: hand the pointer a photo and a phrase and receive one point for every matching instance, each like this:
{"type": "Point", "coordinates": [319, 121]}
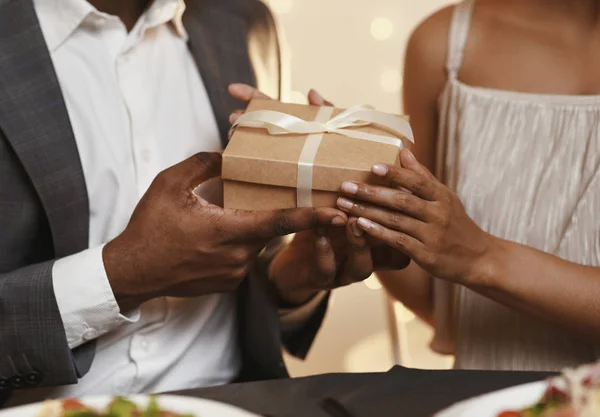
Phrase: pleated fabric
{"type": "Point", "coordinates": [527, 168]}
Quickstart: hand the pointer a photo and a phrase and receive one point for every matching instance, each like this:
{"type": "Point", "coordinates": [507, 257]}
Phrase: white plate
{"type": "Point", "coordinates": [181, 405]}
{"type": "Point", "coordinates": [490, 405]}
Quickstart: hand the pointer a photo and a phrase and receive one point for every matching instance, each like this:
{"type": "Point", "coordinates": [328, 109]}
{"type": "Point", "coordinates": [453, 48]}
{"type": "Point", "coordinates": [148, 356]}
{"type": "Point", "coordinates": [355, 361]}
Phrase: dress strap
{"type": "Point", "coordinates": [457, 39]}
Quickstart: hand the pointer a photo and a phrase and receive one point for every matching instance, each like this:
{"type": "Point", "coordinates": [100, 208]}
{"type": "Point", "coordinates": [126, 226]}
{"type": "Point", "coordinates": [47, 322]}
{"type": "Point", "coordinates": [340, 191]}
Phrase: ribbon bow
{"type": "Point", "coordinates": [278, 123]}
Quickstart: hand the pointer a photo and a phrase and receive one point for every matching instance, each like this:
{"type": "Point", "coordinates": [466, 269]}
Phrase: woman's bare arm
{"type": "Point", "coordinates": [424, 79]}
{"type": "Point", "coordinates": [432, 227]}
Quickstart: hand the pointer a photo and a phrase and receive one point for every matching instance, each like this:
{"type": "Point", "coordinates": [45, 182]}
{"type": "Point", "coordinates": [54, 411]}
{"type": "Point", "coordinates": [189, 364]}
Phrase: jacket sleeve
{"type": "Point", "coordinates": [33, 346]}
{"type": "Point", "coordinates": [261, 337]}
{"type": "Point", "coordinates": [298, 333]}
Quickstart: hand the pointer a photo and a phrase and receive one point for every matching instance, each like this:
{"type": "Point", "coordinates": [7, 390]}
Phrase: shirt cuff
{"type": "Point", "coordinates": [293, 319]}
{"type": "Point", "coordinates": [87, 305]}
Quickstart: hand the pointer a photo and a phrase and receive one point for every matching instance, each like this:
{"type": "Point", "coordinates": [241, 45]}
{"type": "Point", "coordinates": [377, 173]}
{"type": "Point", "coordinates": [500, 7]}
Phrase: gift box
{"type": "Point", "coordinates": [288, 155]}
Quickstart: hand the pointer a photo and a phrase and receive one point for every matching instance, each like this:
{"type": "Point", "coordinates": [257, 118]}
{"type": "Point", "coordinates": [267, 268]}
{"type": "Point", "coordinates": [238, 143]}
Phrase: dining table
{"type": "Point", "coordinates": [399, 392]}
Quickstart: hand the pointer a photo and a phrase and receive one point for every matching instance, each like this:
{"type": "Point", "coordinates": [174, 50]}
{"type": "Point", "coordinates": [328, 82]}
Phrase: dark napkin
{"type": "Point", "coordinates": [422, 393]}
{"type": "Point", "coordinates": [287, 397]}
{"type": "Point", "coordinates": [399, 392]}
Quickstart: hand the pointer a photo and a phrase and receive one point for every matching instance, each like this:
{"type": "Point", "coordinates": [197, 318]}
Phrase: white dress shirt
{"type": "Point", "coordinates": [137, 105]}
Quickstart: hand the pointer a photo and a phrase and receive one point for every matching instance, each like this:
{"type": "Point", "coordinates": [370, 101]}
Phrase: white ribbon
{"type": "Point", "coordinates": [304, 183]}
{"type": "Point", "coordinates": [278, 123]}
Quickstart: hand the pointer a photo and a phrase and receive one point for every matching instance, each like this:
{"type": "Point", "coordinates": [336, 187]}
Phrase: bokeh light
{"type": "Point", "coordinates": [382, 28]}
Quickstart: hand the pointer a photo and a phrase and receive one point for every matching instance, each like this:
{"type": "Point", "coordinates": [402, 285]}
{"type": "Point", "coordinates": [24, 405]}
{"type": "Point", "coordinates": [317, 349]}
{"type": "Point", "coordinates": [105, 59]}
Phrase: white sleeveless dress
{"type": "Point", "coordinates": [527, 168]}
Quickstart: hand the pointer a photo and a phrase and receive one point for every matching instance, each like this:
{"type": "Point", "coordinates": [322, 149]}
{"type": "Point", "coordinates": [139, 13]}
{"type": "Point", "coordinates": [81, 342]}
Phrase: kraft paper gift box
{"type": "Point", "coordinates": [288, 155]}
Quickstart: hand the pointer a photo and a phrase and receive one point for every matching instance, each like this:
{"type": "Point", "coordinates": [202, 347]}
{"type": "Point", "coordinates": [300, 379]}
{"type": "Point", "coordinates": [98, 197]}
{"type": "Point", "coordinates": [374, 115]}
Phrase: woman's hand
{"type": "Point", "coordinates": [421, 217]}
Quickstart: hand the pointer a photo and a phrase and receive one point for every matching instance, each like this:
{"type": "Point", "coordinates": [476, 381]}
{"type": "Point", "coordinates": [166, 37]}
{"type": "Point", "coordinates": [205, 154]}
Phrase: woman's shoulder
{"type": "Point", "coordinates": [491, 18]}
{"type": "Point", "coordinates": [428, 44]}
{"type": "Point", "coordinates": [503, 36]}
{"type": "Point", "coordinates": [504, 12]}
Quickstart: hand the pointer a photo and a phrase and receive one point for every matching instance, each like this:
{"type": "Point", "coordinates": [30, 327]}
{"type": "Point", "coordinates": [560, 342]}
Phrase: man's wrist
{"type": "Point", "coordinates": [88, 307]}
{"type": "Point", "coordinates": [294, 319]}
{"type": "Point", "coordinates": [287, 297]}
{"type": "Point", "coordinates": [119, 265]}
{"type": "Point", "coordinates": [294, 299]}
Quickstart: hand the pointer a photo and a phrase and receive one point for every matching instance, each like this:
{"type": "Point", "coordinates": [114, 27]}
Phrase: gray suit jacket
{"type": "Point", "coordinates": [44, 211]}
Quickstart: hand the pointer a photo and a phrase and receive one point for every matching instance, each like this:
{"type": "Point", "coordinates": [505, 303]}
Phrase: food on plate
{"type": "Point", "coordinates": [575, 393]}
{"type": "Point", "coordinates": [118, 407]}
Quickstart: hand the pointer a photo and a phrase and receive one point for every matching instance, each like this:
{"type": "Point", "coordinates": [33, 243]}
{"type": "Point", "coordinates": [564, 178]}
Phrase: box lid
{"type": "Point", "coordinates": [255, 156]}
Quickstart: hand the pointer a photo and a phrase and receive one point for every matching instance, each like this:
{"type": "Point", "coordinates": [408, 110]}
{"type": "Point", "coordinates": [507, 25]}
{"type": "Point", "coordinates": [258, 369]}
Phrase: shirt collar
{"type": "Point", "coordinates": [60, 18]}
{"type": "Point", "coordinates": [162, 11]}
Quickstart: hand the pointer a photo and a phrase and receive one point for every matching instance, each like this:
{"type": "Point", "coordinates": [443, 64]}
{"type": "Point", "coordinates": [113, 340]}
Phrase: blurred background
{"type": "Point", "coordinates": [351, 51]}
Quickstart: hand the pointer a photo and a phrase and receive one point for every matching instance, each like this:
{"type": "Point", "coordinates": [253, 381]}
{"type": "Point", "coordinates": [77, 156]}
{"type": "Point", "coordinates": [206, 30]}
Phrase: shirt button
{"type": "Point", "coordinates": [90, 334]}
{"type": "Point", "coordinates": [122, 388]}
{"type": "Point", "coordinates": [146, 155]}
{"type": "Point", "coordinates": [144, 345]}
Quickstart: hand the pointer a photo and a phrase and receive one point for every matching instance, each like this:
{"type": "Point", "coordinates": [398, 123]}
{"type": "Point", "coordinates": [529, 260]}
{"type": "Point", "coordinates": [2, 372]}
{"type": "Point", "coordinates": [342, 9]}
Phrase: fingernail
{"type": "Point", "coordinates": [356, 230]}
{"type": "Point", "coordinates": [322, 242]}
{"type": "Point", "coordinates": [338, 221]}
{"type": "Point", "coordinates": [366, 224]}
{"type": "Point", "coordinates": [234, 88]}
{"type": "Point", "coordinates": [231, 117]}
{"type": "Point", "coordinates": [349, 187]}
{"type": "Point", "coordinates": [345, 204]}
{"type": "Point", "coordinates": [241, 89]}
{"type": "Point", "coordinates": [379, 169]}
{"type": "Point", "coordinates": [317, 98]}
{"type": "Point", "coordinates": [409, 156]}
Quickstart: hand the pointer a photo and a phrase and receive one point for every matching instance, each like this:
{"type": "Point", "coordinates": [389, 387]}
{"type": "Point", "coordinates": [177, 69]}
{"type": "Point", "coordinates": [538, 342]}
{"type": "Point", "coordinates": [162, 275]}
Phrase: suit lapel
{"type": "Point", "coordinates": [34, 119]}
{"type": "Point", "coordinates": [218, 41]}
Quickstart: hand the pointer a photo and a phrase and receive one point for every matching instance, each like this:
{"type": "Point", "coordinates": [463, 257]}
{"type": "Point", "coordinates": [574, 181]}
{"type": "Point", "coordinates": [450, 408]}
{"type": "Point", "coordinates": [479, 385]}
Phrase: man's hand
{"type": "Point", "coordinates": [317, 261]}
{"type": "Point", "coordinates": [246, 93]}
{"type": "Point", "coordinates": [177, 244]}
{"type": "Point", "coordinates": [320, 261]}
